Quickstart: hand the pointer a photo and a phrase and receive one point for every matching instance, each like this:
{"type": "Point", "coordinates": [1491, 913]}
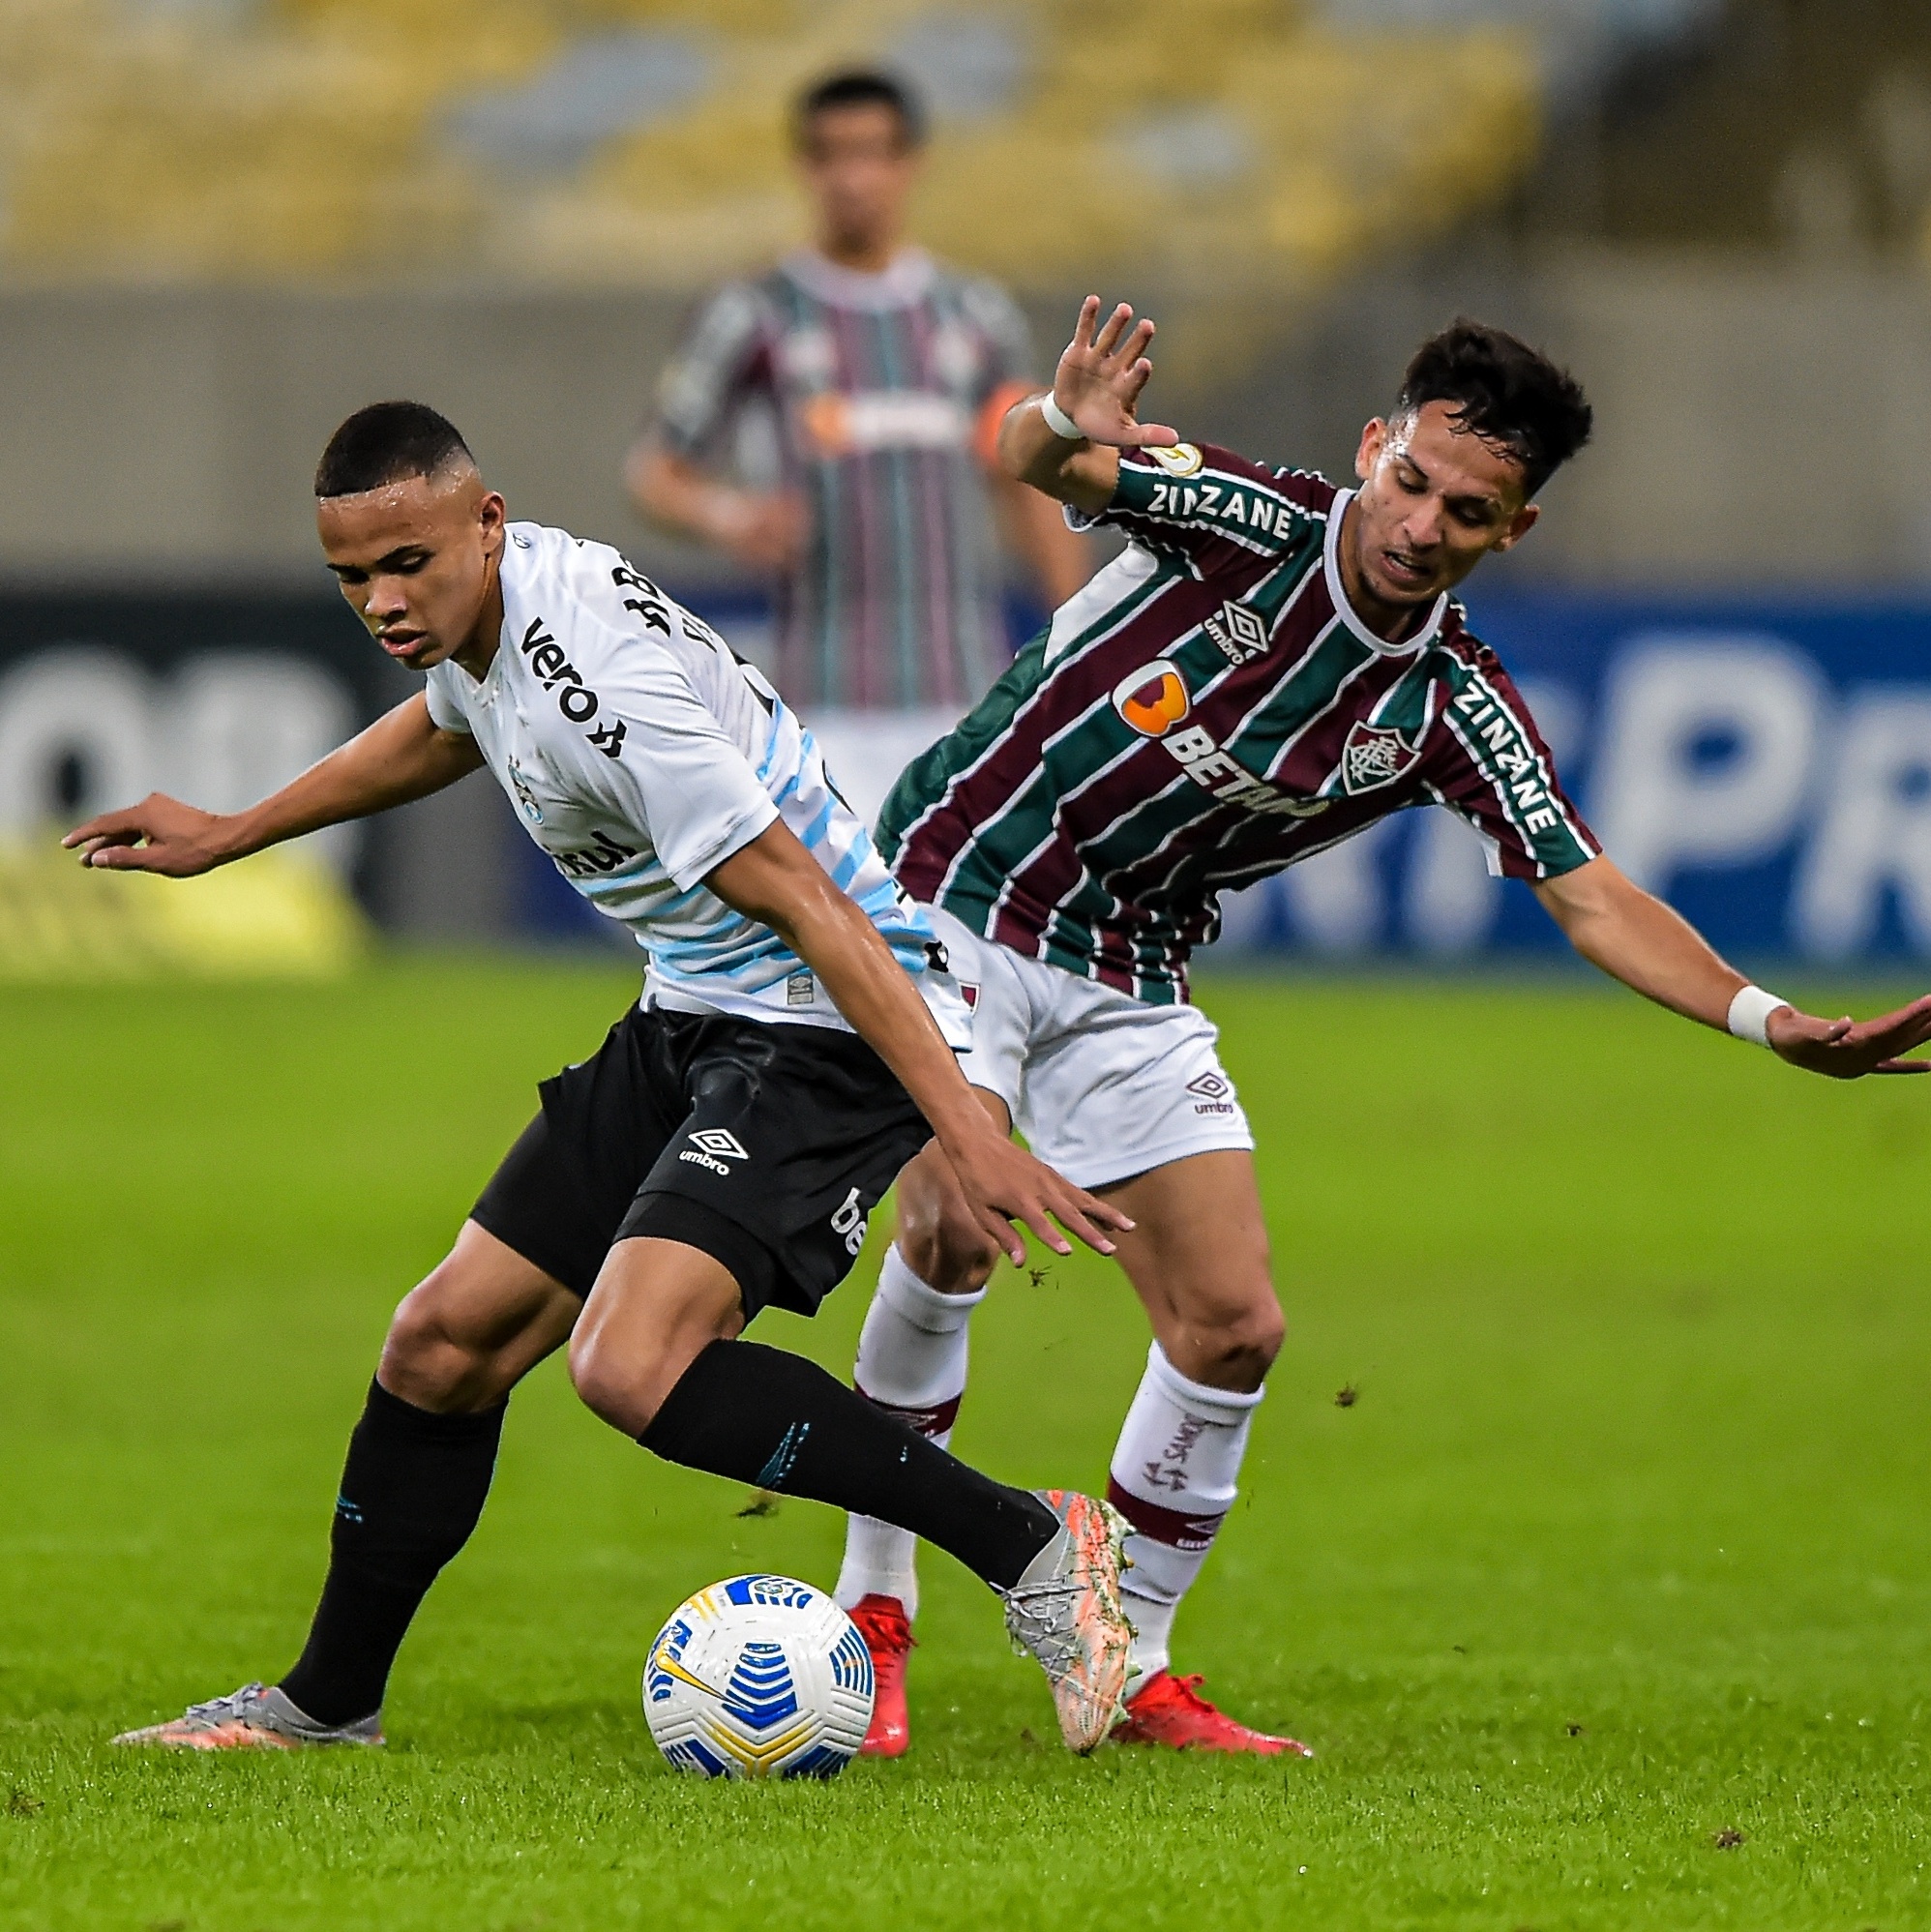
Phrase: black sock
{"type": "Point", "coordinates": [412, 1489]}
{"type": "Point", "coordinates": [763, 1416]}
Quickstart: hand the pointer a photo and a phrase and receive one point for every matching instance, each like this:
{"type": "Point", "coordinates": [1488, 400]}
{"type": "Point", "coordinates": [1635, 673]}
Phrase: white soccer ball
{"type": "Point", "coordinates": [758, 1677]}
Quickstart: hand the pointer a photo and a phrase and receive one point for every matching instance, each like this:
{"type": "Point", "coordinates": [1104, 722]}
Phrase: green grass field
{"type": "Point", "coordinates": [1622, 1549]}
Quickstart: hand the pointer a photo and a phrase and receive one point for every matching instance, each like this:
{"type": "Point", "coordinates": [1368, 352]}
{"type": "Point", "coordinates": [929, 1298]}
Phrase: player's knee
{"type": "Point", "coordinates": [950, 1253]}
{"type": "Point", "coordinates": [422, 1361]}
{"type": "Point", "coordinates": [608, 1386]}
{"type": "Point", "coordinates": [1233, 1342]}
{"type": "Point", "coordinates": [624, 1387]}
{"type": "Point", "coordinates": [428, 1359]}
{"type": "Point", "coordinates": [942, 1243]}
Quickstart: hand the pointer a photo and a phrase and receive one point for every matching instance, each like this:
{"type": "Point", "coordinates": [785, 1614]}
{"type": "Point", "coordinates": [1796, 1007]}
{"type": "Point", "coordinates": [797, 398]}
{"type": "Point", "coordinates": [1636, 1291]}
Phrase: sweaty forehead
{"type": "Point", "coordinates": [1456, 460]}
{"type": "Point", "coordinates": [413, 510]}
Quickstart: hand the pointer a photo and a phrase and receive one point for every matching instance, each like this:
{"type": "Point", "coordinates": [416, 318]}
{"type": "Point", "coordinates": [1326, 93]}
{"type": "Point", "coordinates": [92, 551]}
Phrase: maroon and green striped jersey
{"type": "Point", "coordinates": [1208, 710]}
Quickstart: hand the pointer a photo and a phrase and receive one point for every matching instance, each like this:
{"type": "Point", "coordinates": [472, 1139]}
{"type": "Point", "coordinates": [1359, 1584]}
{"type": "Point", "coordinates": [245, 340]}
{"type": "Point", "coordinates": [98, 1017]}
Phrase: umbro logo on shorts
{"type": "Point", "coordinates": [714, 1147]}
{"type": "Point", "coordinates": [1210, 1093]}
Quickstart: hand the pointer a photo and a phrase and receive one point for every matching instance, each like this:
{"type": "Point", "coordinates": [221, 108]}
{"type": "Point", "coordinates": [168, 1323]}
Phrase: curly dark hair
{"type": "Point", "coordinates": [1511, 396]}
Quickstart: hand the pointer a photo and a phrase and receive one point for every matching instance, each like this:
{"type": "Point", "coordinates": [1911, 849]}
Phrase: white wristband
{"type": "Point", "coordinates": [1750, 1011]}
{"type": "Point", "coordinates": [1059, 422]}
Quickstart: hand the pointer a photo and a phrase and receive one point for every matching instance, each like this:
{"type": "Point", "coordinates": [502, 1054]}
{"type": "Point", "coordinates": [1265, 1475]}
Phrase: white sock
{"type": "Point", "coordinates": [911, 1363]}
{"type": "Point", "coordinates": [1174, 1478]}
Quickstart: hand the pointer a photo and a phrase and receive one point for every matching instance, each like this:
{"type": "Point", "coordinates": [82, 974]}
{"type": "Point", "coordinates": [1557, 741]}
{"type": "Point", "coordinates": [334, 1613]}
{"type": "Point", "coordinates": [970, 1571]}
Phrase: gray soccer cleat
{"type": "Point", "coordinates": [1066, 1611]}
{"type": "Point", "coordinates": [257, 1718]}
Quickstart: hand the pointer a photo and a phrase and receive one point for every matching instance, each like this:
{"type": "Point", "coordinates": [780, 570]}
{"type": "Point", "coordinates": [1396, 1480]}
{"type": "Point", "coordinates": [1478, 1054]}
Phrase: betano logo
{"type": "Point", "coordinates": [1152, 699]}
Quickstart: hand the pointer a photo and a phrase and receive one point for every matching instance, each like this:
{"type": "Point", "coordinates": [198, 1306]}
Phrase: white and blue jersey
{"type": "Point", "coordinates": [641, 754]}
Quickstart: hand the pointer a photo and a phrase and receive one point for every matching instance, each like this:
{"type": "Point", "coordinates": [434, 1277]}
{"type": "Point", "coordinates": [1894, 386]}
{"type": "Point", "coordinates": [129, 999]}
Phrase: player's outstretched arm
{"type": "Point", "coordinates": [1633, 937]}
{"type": "Point", "coordinates": [1095, 393]}
{"type": "Point", "coordinates": [403, 755]}
{"type": "Point", "coordinates": [775, 880]}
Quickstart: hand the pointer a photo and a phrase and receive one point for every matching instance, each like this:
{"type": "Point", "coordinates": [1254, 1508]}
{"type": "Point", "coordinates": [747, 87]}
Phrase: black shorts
{"type": "Point", "coordinates": [764, 1145]}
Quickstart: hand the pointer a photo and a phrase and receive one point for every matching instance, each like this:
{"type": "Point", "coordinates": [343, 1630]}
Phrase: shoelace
{"type": "Point", "coordinates": [227, 1708]}
{"type": "Point", "coordinates": [1036, 1621]}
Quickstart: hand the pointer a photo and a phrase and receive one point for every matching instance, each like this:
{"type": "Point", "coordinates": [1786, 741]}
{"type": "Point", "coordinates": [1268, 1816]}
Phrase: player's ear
{"type": "Point", "coordinates": [1373, 440]}
{"type": "Point", "coordinates": [492, 513]}
{"type": "Point", "coordinates": [1519, 526]}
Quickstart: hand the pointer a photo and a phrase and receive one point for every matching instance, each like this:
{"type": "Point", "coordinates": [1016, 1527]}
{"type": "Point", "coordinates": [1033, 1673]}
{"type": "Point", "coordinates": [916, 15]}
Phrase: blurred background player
{"type": "Point", "coordinates": [1272, 667]}
{"type": "Point", "coordinates": [883, 375]}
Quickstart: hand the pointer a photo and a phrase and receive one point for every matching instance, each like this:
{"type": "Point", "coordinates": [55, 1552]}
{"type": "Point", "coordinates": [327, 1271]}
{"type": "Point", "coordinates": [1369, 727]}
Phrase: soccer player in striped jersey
{"type": "Point", "coordinates": [883, 375]}
{"type": "Point", "coordinates": [1270, 667]}
{"type": "Point", "coordinates": [718, 1155]}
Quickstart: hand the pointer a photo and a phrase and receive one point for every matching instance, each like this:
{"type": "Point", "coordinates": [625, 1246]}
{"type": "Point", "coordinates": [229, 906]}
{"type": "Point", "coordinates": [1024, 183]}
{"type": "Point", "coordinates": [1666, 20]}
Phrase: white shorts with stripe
{"type": "Point", "coordinates": [1102, 1086]}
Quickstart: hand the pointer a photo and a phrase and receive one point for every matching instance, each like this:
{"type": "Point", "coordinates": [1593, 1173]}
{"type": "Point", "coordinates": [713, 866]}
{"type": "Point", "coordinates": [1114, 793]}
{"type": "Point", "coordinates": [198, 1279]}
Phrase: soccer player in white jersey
{"type": "Point", "coordinates": [718, 1155]}
{"type": "Point", "coordinates": [1272, 666]}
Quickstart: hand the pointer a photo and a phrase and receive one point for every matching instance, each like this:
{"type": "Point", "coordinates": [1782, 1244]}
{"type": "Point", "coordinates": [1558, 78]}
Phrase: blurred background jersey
{"type": "Point", "coordinates": [886, 391]}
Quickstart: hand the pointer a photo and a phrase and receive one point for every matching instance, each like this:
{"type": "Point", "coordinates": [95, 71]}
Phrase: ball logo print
{"type": "Point", "coordinates": [1152, 699]}
{"type": "Point", "coordinates": [714, 1147]}
{"type": "Point", "coordinates": [758, 1677]}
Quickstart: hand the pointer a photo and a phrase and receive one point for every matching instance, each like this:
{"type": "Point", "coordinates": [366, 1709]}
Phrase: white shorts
{"type": "Point", "coordinates": [1102, 1086]}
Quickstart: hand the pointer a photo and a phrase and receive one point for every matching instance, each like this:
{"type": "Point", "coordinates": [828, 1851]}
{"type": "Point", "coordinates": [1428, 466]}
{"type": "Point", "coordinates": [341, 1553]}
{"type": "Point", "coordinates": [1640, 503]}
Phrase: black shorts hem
{"type": "Point", "coordinates": [518, 1207]}
{"type": "Point", "coordinates": [661, 1216]}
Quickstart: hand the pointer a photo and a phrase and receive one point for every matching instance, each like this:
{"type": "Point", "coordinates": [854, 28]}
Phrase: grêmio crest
{"type": "Point", "coordinates": [1374, 756]}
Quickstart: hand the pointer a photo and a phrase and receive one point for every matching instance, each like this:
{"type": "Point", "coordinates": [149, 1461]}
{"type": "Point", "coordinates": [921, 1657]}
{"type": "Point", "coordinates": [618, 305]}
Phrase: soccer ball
{"type": "Point", "coordinates": [756, 1677]}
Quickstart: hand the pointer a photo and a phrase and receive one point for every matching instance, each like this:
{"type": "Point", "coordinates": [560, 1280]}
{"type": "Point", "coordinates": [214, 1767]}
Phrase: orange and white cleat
{"type": "Point", "coordinates": [887, 1631]}
{"type": "Point", "coordinates": [1066, 1611]}
{"type": "Point", "coordinates": [254, 1718]}
{"type": "Point", "coordinates": [1170, 1711]}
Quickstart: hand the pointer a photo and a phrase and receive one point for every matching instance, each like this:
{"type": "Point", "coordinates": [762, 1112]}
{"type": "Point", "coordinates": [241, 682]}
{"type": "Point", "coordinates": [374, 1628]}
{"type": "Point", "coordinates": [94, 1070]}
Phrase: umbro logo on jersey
{"type": "Point", "coordinates": [1152, 699]}
{"type": "Point", "coordinates": [713, 1148]}
{"type": "Point", "coordinates": [1374, 756]}
{"type": "Point", "coordinates": [1239, 632]}
{"type": "Point", "coordinates": [1177, 460]}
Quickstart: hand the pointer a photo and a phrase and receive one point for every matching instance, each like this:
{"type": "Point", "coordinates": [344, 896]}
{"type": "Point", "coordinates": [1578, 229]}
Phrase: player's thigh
{"type": "Point", "coordinates": [1197, 1256]}
{"type": "Point", "coordinates": [793, 1134]}
{"type": "Point", "coordinates": [1116, 1087]}
{"type": "Point", "coordinates": [481, 1319]}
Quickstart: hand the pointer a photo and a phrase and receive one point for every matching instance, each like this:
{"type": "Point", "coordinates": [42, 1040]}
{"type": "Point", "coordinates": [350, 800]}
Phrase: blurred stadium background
{"type": "Point", "coordinates": [224, 224]}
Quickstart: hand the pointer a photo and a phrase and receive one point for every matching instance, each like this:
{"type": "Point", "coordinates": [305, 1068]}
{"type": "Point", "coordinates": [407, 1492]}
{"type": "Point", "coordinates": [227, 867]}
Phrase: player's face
{"type": "Point", "coordinates": [416, 560]}
{"type": "Point", "coordinates": [858, 169]}
{"type": "Point", "coordinates": [1436, 499]}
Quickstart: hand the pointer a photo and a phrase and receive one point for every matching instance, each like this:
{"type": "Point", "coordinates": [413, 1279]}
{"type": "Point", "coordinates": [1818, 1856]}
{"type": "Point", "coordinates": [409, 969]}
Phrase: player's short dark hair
{"type": "Point", "coordinates": [1511, 396]}
{"type": "Point", "coordinates": [859, 87]}
{"type": "Point", "coordinates": [388, 442]}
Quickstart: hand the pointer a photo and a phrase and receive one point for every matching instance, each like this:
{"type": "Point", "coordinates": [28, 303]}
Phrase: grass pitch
{"type": "Point", "coordinates": [1606, 1602]}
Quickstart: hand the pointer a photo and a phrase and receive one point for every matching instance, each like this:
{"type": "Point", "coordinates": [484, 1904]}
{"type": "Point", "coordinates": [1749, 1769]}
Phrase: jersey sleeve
{"type": "Point", "coordinates": [446, 714]}
{"type": "Point", "coordinates": [711, 370]}
{"type": "Point", "coordinates": [1493, 767]}
{"type": "Point", "coordinates": [1205, 504]}
{"type": "Point", "coordinates": [678, 772]}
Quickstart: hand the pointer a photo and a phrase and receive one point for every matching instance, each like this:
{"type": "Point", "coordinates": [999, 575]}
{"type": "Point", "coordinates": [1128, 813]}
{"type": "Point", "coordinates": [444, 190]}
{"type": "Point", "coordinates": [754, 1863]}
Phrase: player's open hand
{"type": "Point", "coordinates": [160, 834]}
{"type": "Point", "coordinates": [1100, 377]}
{"type": "Point", "coordinates": [1846, 1049]}
{"type": "Point", "coordinates": [1007, 1189]}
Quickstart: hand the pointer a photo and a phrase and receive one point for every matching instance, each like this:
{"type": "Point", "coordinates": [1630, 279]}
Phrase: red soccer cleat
{"type": "Point", "coordinates": [888, 1635]}
{"type": "Point", "coordinates": [1170, 1711]}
